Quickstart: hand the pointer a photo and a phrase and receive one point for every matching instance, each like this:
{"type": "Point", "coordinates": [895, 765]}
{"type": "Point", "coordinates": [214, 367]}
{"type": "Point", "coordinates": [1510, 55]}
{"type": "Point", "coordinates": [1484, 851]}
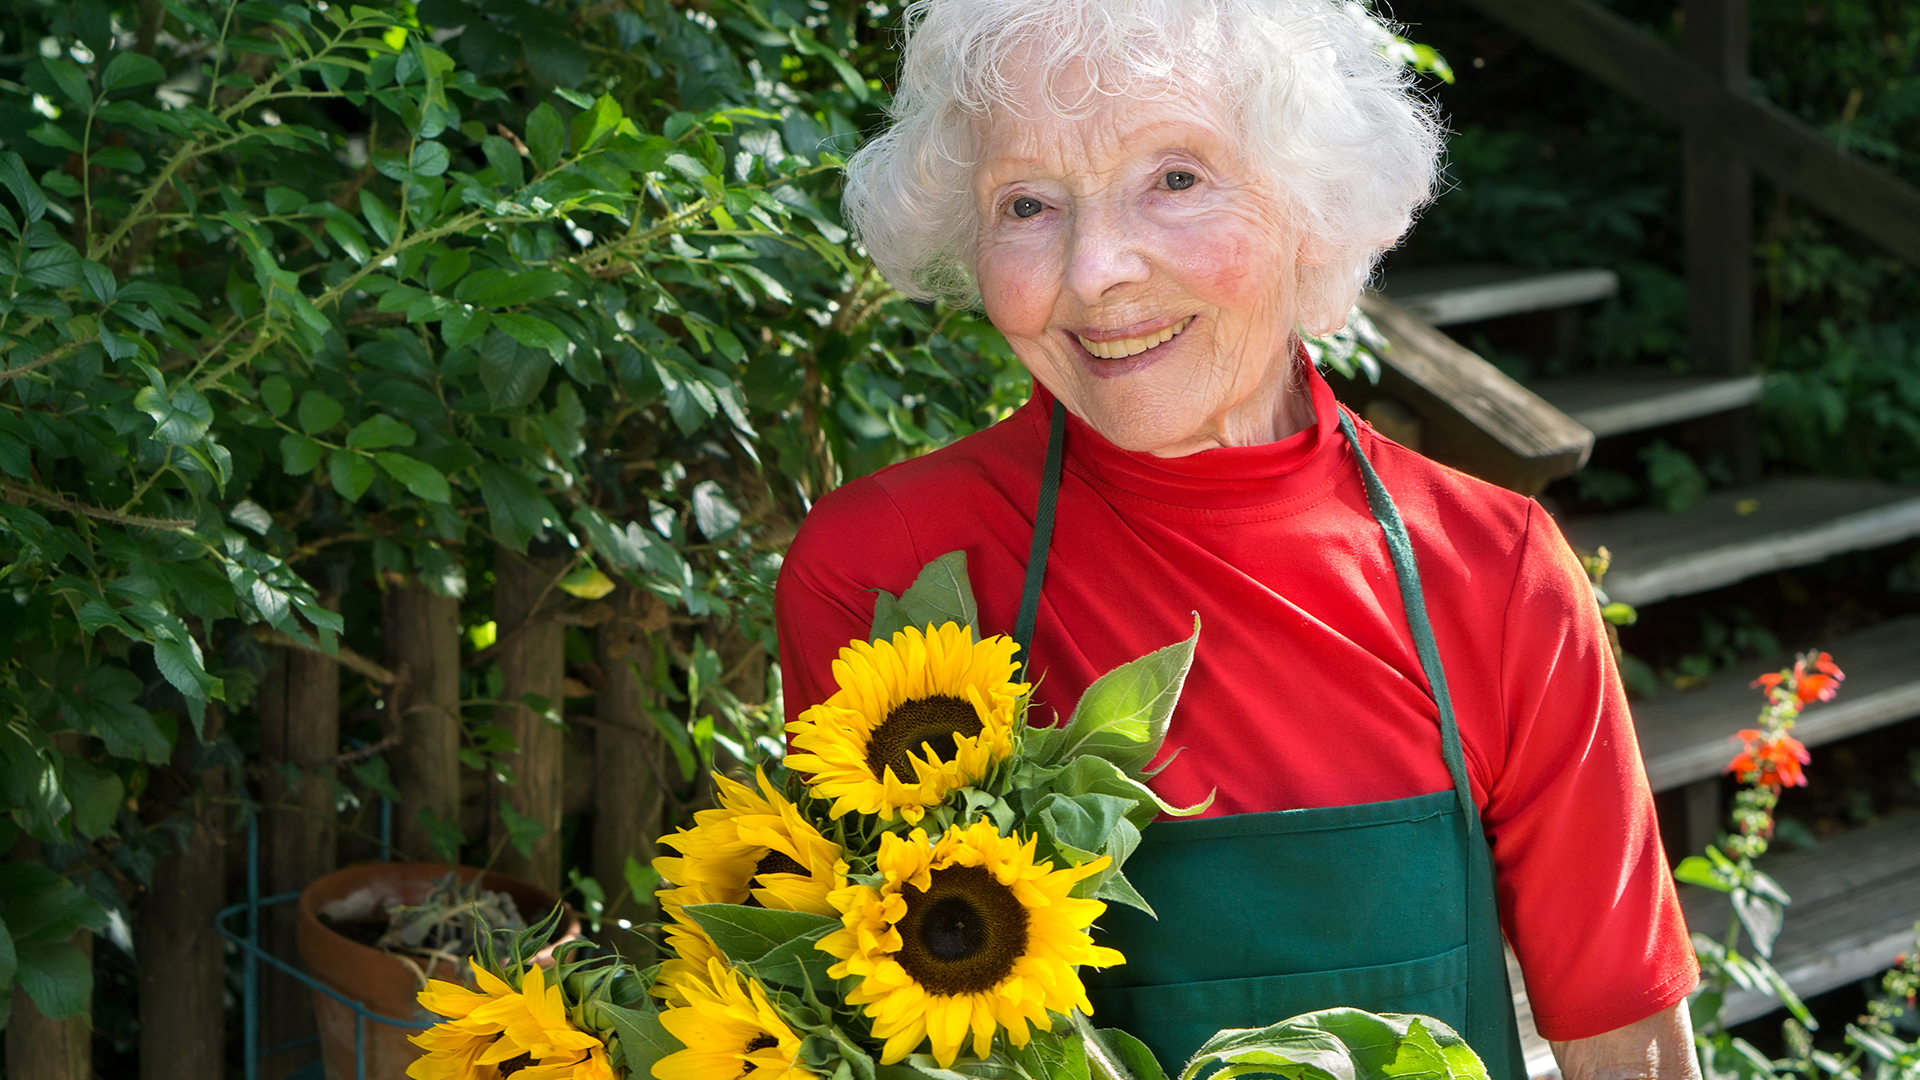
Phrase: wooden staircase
{"type": "Point", "coordinates": [1857, 896]}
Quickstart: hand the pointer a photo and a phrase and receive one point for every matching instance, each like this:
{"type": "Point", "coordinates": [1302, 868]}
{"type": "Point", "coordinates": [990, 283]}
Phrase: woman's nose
{"type": "Point", "coordinates": [1106, 251]}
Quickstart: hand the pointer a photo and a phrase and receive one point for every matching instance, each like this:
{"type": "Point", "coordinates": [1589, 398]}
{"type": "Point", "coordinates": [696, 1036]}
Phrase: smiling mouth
{"type": "Point", "coordinates": [1121, 348]}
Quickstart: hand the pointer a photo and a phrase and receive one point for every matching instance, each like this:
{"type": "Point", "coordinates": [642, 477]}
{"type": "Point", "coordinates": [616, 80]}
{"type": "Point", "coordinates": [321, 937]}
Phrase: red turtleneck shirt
{"type": "Point", "coordinates": [1305, 689]}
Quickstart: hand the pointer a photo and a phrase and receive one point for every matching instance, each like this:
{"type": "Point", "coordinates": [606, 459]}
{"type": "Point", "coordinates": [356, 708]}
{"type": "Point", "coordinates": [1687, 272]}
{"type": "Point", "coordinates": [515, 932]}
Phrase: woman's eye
{"type": "Point", "coordinates": [1026, 206]}
{"type": "Point", "coordinates": [1180, 180]}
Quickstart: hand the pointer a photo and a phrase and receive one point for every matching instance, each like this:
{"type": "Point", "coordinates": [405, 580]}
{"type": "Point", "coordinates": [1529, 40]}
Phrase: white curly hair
{"type": "Point", "coordinates": [1348, 141]}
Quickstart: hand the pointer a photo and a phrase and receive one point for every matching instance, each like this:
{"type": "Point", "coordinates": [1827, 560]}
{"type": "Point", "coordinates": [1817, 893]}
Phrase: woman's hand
{"type": "Point", "coordinates": [1657, 1048]}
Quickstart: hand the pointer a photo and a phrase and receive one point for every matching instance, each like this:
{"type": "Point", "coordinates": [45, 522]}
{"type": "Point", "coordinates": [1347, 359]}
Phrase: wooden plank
{"type": "Point", "coordinates": [422, 634]}
{"type": "Point", "coordinates": [1733, 535]}
{"type": "Point", "coordinates": [1473, 417]}
{"type": "Point", "coordinates": [533, 659]}
{"type": "Point", "coordinates": [1687, 735]}
{"type": "Point", "coordinates": [1615, 402]}
{"type": "Point", "coordinates": [1859, 195]}
{"type": "Point", "coordinates": [1855, 900]}
{"type": "Point", "coordinates": [1449, 295]}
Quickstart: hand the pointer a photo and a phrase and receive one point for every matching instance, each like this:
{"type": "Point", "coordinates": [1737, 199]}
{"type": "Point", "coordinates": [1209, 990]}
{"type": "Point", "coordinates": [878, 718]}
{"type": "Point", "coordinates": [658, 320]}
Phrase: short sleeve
{"type": "Point", "coordinates": [854, 541]}
{"type": "Point", "coordinates": [1585, 893]}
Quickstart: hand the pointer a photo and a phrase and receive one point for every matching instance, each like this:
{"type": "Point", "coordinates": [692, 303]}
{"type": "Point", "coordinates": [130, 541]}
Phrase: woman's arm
{"type": "Point", "coordinates": [1657, 1048]}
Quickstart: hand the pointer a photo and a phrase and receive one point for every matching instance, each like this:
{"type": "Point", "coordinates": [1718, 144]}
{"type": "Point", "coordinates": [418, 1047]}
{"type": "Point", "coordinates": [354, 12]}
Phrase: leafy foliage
{"type": "Point", "coordinates": [304, 293]}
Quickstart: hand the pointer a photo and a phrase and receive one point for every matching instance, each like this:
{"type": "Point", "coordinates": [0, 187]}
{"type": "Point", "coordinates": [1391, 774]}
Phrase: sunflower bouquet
{"type": "Point", "coordinates": [907, 896]}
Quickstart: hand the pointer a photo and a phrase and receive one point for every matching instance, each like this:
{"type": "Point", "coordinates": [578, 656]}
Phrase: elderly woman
{"type": "Point", "coordinates": [1403, 705]}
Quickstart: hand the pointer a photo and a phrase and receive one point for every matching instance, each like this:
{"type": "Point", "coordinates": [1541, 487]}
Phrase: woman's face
{"type": "Point", "coordinates": [1143, 269]}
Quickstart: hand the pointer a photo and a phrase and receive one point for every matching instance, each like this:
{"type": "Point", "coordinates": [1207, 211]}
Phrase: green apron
{"type": "Point", "coordinates": [1385, 906]}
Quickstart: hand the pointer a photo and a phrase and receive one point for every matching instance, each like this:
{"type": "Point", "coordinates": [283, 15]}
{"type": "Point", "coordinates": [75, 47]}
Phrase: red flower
{"type": "Point", "coordinates": [1819, 685]}
{"type": "Point", "coordinates": [1772, 762]}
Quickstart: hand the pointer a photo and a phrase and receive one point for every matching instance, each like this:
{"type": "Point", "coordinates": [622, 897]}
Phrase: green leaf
{"type": "Point", "coordinates": [1123, 716]}
{"type": "Point", "coordinates": [184, 667]}
{"type": "Point", "coordinates": [118, 158]}
{"type": "Point", "coordinates": [522, 831]}
{"type": "Point", "coordinates": [422, 479]}
{"type": "Point", "coordinates": [643, 1040]}
{"type": "Point", "coordinates": [52, 134]}
{"type": "Point", "coordinates": [592, 124]}
{"type": "Point", "coordinates": [940, 594]}
{"type": "Point", "coordinates": [546, 137]}
{"type": "Point", "coordinates": [516, 511]}
{"type": "Point", "coordinates": [57, 267]}
{"type": "Point", "coordinates": [299, 454]}
{"type": "Point", "coordinates": [429, 159]}
{"type": "Point", "coordinates": [1697, 870]}
{"type": "Point", "coordinates": [13, 173]}
{"type": "Point", "coordinates": [352, 474]}
{"type": "Point", "coordinates": [587, 583]}
{"type": "Point", "coordinates": [505, 159]}
{"type": "Point", "coordinates": [381, 218]}
{"type": "Point", "coordinates": [319, 412]}
{"type": "Point", "coordinates": [513, 374]}
{"type": "Point", "coordinates": [1420, 1057]}
{"type": "Point", "coordinates": [179, 419]}
{"type": "Point", "coordinates": [748, 933]}
{"type": "Point", "coordinates": [70, 79]}
{"type": "Point", "coordinates": [449, 269]}
{"type": "Point", "coordinates": [130, 69]}
{"type": "Point", "coordinates": [57, 976]}
{"type": "Point", "coordinates": [379, 431]}
{"type": "Point", "coordinates": [95, 794]}
{"type": "Point", "coordinates": [444, 835]}
{"type": "Point", "coordinates": [797, 963]}
{"type": "Point", "coordinates": [535, 332]}
{"type": "Point", "coordinates": [276, 393]}
{"type": "Point", "coordinates": [499, 288]}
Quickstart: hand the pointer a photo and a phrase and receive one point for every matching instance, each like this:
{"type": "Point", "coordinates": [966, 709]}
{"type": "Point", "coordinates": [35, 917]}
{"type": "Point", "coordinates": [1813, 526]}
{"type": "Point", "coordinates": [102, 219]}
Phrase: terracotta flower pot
{"type": "Point", "coordinates": [383, 983]}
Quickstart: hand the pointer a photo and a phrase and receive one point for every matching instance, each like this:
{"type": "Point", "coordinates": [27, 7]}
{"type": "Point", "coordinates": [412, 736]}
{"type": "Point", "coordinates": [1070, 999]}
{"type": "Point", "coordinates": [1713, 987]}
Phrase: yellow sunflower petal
{"type": "Point", "coordinates": [965, 936]}
{"type": "Point", "coordinates": [913, 718]}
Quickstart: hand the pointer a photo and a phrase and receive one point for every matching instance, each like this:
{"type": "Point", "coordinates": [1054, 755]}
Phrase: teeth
{"type": "Point", "coordinates": [1122, 348]}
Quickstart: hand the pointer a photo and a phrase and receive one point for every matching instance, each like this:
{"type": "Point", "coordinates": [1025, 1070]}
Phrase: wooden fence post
{"type": "Point", "coordinates": [532, 657]}
{"type": "Point", "coordinates": [183, 1023]}
{"type": "Point", "coordinates": [1719, 227]}
{"type": "Point", "coordinates": [628, 788]}
{"type": "Point", "coordinates": [422, 632]}
{"type": "Point", "coordinates": [299, 731]}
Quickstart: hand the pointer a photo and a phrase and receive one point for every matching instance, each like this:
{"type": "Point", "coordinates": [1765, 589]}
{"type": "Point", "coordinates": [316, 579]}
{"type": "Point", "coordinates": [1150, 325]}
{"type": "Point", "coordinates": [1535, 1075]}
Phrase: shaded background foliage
{"type": "Point", "coordinates": [304, 303]}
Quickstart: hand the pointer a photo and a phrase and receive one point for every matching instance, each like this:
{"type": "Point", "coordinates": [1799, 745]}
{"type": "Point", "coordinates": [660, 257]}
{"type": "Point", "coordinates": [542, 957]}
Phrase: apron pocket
{"type": "Point", "coordinates": [1173, 1020]}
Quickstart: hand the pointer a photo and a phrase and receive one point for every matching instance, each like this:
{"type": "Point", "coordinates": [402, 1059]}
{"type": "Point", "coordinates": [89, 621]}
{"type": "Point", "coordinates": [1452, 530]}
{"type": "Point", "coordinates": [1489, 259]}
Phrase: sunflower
{"type": "Point", "coordinates": [966, 933]}
{"type": "Point", "coordinates": [755, 848]}
{"type": "Point", "coordinates": [730, 1031]}
{"type": "Point", "coordinates": [499, 1032]}
{"type": "Point", "coordinates": [914, 718]}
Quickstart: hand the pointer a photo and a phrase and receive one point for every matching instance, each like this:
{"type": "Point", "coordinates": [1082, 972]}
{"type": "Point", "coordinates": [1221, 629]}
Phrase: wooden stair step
{"type": "Point", "coordinates": [1450, 295]}
{"type": "Point", "coordinates": [1615, 402]}
{"type": "Point", "coordinates": [1730, 536]}
{"type": "Point", "coordinates": [1855, 900]}
{"type": "Point", "coordinates": [1687, 735]}
{"type": "Point", "coordinates": [1473, 417]}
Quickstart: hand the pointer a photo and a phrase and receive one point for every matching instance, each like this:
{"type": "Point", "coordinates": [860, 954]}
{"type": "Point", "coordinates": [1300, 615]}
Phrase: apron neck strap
{"type": "Point", "coordinates": [1407, 569]}
{"type": "Point", "coordinates": [1399, 547]}
{"type": "Point", "coordinates": [1042, 534]}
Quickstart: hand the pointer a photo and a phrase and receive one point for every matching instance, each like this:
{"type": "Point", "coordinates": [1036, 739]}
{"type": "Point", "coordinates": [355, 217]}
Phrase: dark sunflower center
{"type": "Point", "coordinates": [777, 862]}
{"type": "Point", "coordinates": [963, 934]}
{"type": "Point", "coordinates": [762, 1041]}
{"type": "Point", "coordinates": [515, 1064]}
{"type": "Point", "coordinates": [773, 862]}
{"type": "Point", "coordinates": [935, 721]}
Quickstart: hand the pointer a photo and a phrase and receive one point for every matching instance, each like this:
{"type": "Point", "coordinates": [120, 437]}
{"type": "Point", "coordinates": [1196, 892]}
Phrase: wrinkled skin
{"type": "Point", "coordinates": [1138, 216]}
